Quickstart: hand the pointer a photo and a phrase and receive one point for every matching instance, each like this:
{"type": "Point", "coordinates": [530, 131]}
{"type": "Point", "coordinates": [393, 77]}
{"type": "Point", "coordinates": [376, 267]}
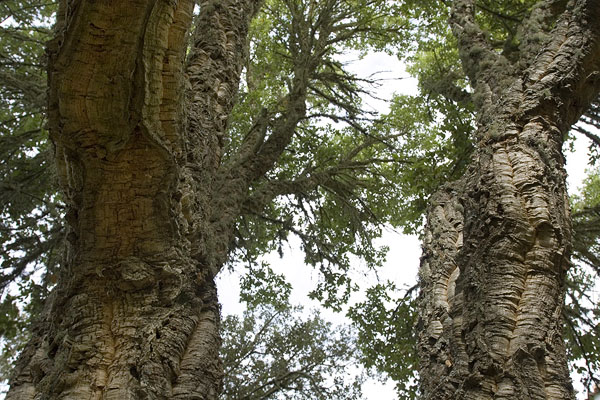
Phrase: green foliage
{"type": "Point", "coordinates": [582, 329]}
{"type": "Point", "coordinates": [30, 210]}
{"type": "Point", "coordinates": [386, 335]}
{"type": "Point", "coordinates": [334, 185]}
{"type": "Point", "coordinates": [503, 20]}
{"type": "Point", "coordinates": [435, 148]}
{"type": "Point", "coordinates": [278, 353]}
{"type": "Point", "coordinates": [583, 304]}
{"type": "Point", "coordinates": [261, 285]}
{"type": "Point", "coordinates": [590, 192]}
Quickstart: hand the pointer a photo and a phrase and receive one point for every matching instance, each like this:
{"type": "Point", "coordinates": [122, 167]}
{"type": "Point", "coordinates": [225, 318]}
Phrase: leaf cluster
{"type": "Point", "coordinates": [31, 233]}
{"type": "Point", "coordinates": [386, 335]}
{"type": "Point", "coordinates": [29, 208]}
{"type": "Point", "coordinates": [333, 185]}
{"type": "Point", "coordinates": [583, 303]}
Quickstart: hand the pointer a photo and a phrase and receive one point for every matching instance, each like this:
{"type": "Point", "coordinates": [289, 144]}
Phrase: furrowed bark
{"type": "Point", "coordinates": [214, 68]}
{"type": "Point", "coordinates": [498, 241]}
{"type": "Point", "coordinates": [135, 313]}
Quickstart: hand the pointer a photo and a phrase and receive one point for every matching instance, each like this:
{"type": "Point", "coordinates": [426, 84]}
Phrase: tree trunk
{"type": "Point", "coordinates": [492, 276]}
{"type": "Point", "coordinates": [135, 314]}
{"type": "Point", "coordinates": [497, 241]}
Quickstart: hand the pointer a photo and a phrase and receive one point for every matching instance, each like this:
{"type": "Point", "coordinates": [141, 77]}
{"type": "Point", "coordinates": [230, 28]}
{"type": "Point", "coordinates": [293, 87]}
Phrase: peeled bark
{"type": "Point", "coordinates": [135, 314]}
{"type": "Point", "coordinates": [497, 241]}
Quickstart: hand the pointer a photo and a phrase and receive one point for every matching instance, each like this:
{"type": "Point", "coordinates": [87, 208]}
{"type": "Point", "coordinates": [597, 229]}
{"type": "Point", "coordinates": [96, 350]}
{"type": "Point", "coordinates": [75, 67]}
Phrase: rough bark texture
{"type": "Point", "coordinates": [497, 242]}
{"type": "Point", "coordinates": [135, 312]}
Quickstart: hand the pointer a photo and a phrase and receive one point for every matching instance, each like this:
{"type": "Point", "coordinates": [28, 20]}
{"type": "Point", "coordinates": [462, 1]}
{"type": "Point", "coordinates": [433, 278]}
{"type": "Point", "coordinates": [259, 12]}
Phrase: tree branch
{"type": "Point", "coordinates": [595, 139]}
{"type": "Point", "coordinates": [476, 52]}
{"type": "Point", "coordinates": [534, 31]}
{"type": "Point", "coordinates": [565, 78]}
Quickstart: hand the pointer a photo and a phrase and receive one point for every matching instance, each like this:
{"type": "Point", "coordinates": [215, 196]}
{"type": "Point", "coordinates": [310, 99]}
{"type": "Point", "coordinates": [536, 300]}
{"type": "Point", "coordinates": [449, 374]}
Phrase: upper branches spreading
{"type": "Point", "coordinates": [303, 153]}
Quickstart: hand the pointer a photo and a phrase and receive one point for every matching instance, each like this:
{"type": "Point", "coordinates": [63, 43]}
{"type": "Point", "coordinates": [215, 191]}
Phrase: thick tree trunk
{"type": "Point", "coordinates": [497, 242]}
{"type": "Point", "coordinates": [493, 272]}
{"type": "Point", "coordinates": [135, 312]}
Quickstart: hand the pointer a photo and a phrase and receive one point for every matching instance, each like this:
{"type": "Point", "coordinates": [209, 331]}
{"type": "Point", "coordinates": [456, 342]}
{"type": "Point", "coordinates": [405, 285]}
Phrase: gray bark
{"type": "Point", "coordinates": [497, 241]}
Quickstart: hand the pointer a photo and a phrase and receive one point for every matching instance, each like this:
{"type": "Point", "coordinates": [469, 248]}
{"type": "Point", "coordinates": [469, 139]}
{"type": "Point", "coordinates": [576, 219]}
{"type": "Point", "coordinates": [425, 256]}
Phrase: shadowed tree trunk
{"type": "Point", "coordinates": [497, 241]}
{"type": "Point", "coordinates": [138, 141]}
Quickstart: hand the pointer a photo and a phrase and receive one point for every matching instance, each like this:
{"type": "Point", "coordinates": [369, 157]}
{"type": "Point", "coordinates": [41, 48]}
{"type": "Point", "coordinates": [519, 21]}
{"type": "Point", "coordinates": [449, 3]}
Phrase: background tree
{"type": "Point", "coordinates": [447, 122]}
{"type": "Point", "coordinates": [276, 353]}
{"type": "Point", "coordinates": [582, 316]}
